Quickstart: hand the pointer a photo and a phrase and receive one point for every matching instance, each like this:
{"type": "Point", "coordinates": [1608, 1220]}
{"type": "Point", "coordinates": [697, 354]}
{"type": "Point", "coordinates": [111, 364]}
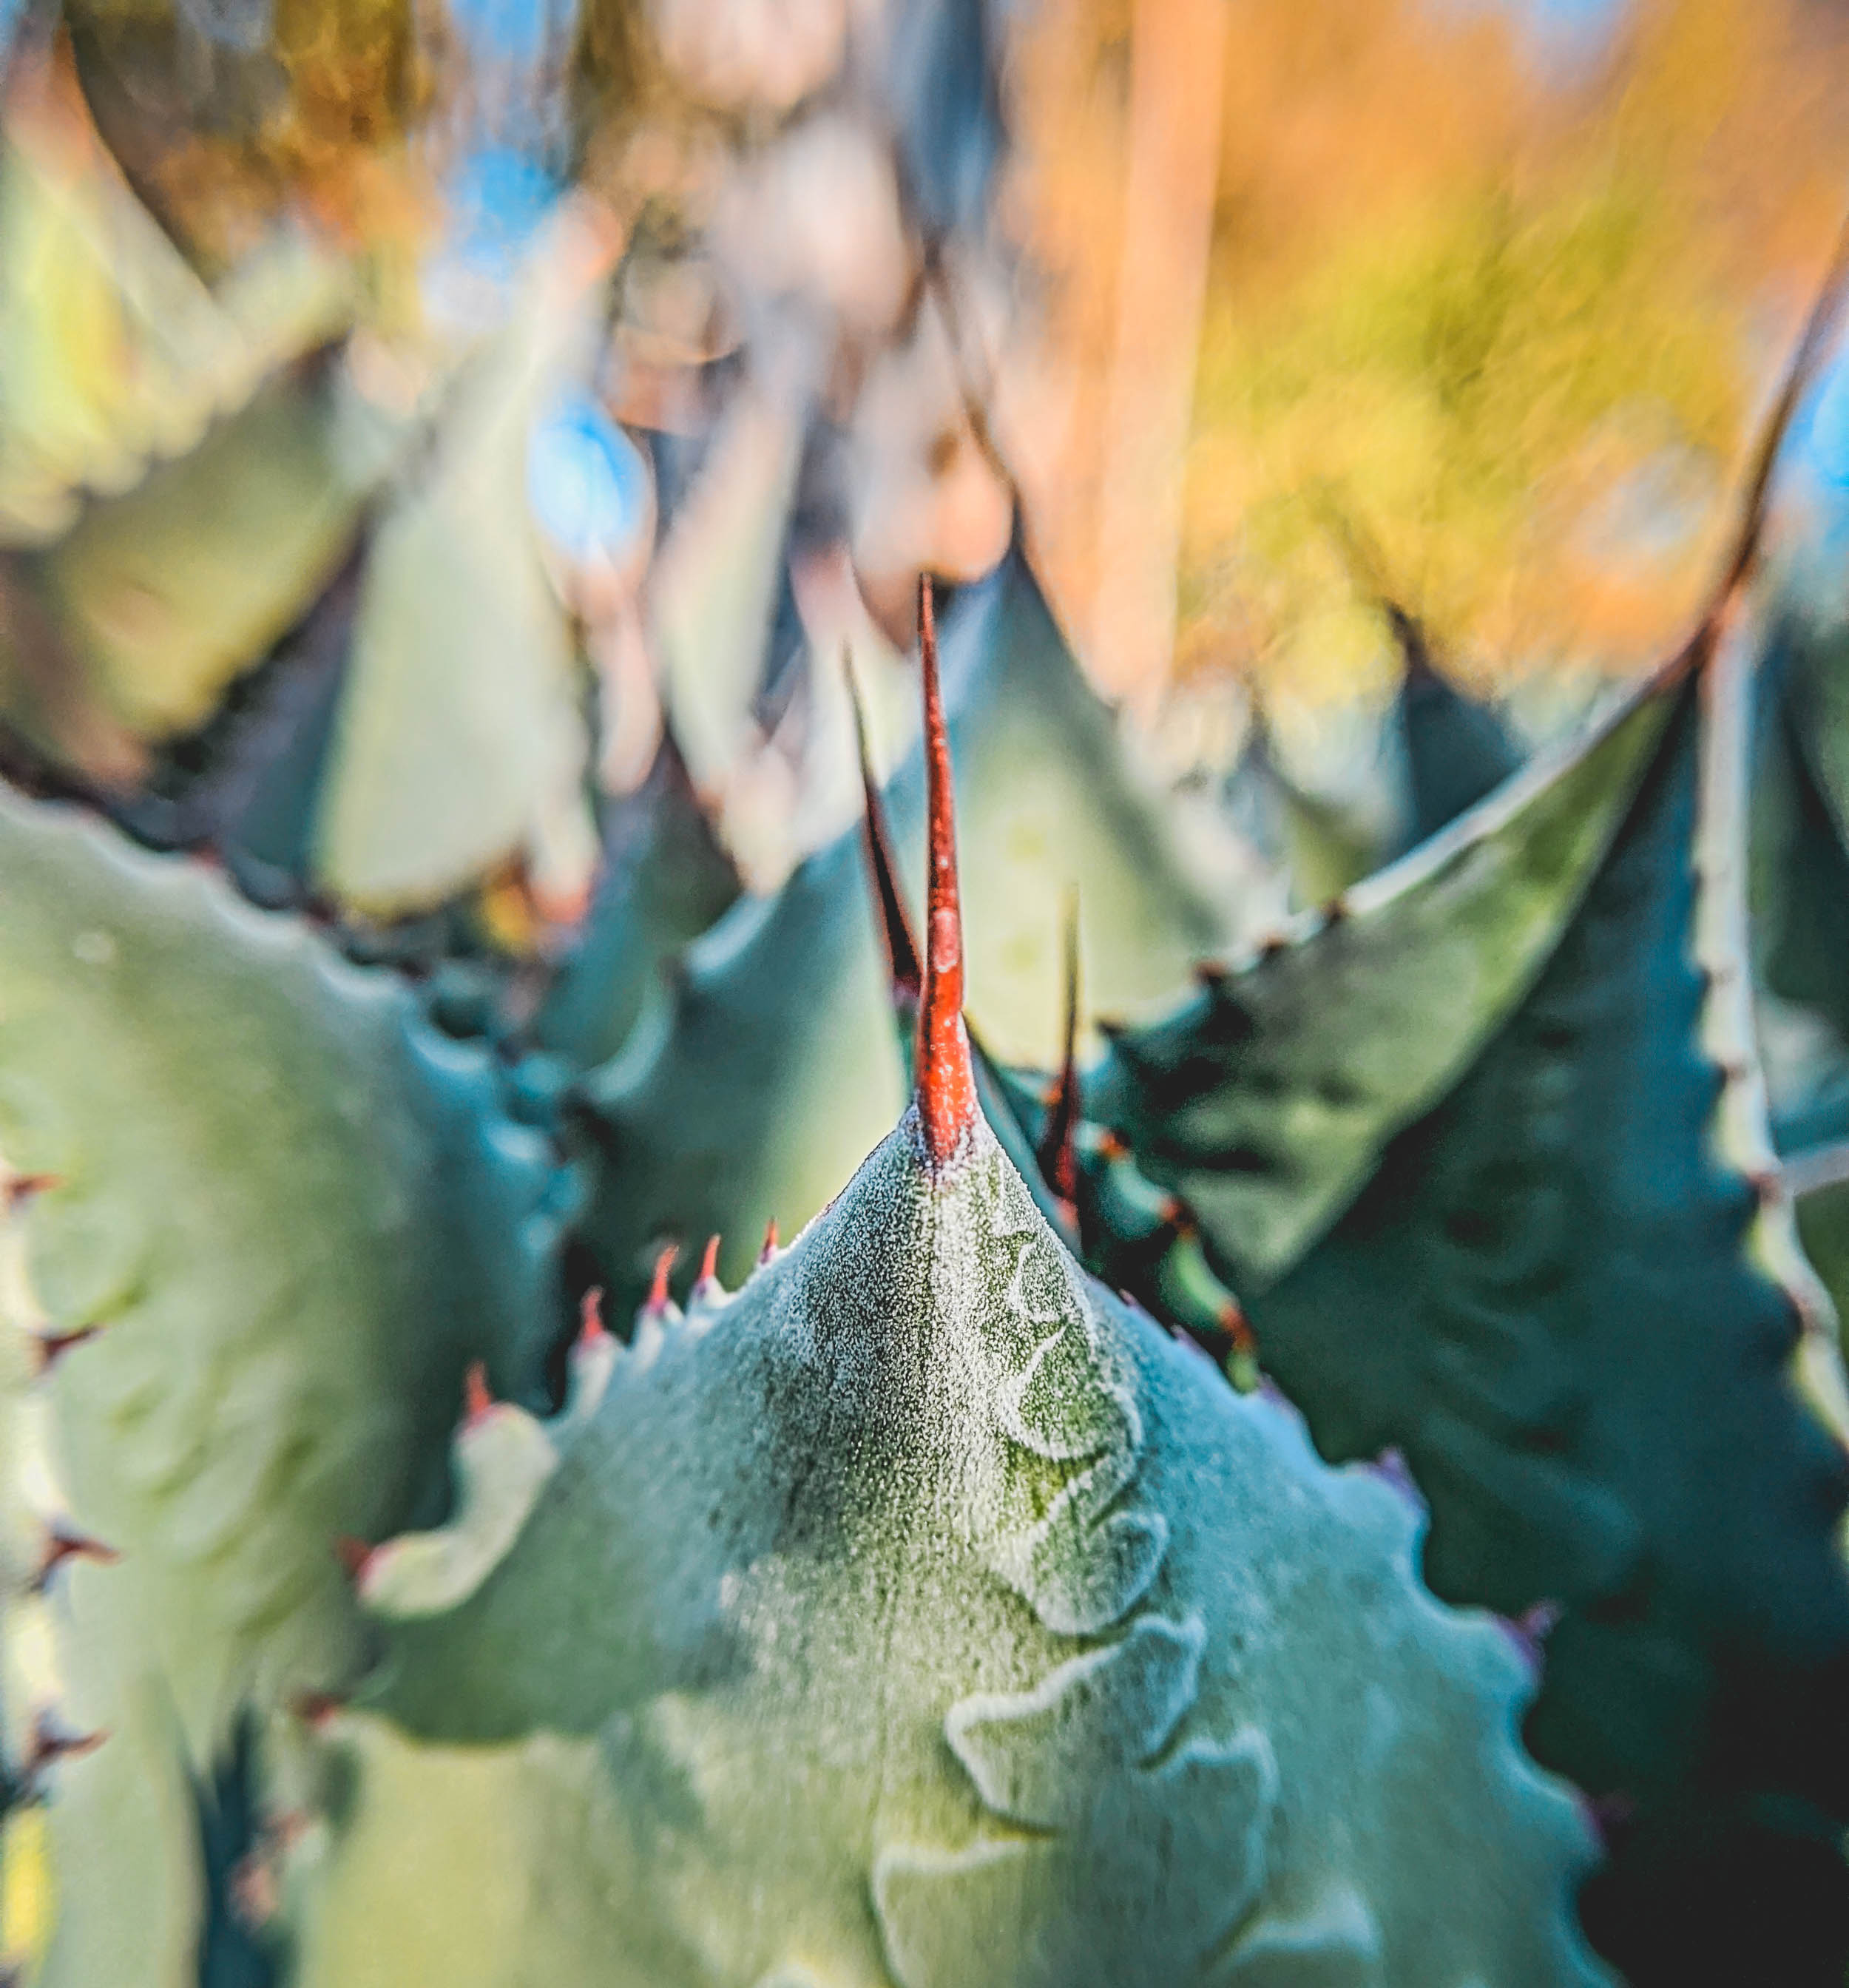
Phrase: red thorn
{"type": "Point", "coordinates": [50, 1745]}
{"type": "Point", "coordinates": [61, 1545]}
{"type": "Point", "coordinates": [352, 1555]}
{"type": "Point", "coordinates": [709, 1261]}
{"type": "Point", "coordinates": [316, 1707]}
{"type": "Point", "coordinates": [946, 1082]}
{"type": "Point", "coordinates": [1272, 944]}
{"type": "Point", "coordinates": [23, 1188]}
{"type": "Point", "coordinates": [895, 927]}
{"type": "Point", "coordinates": [1233, 1322]}
{"type": "Point", "coordinates": [770, 1241]}
{"type": "Point", "coordinates": [53, 1346]}
{"type": "Point", "coordinates": [657, 1290]}
{"type": "Point", "coordinates": [1178, 1217]}
{"type": "Point", "coordinates": [287, 1826]}
{"type": "Point", "coordinates": [1210, 973]}
{"type": "Point", "coordinates": [591, 1328]}
{"type": "Point", "coordinates": [1335, 912]}
{"type": "Point", "coordinates": [476, 1401]}
{"type": "Point", "coordinates": [1058, 1152]}
{"type": "Point", "coordinates": [1112, 1147]}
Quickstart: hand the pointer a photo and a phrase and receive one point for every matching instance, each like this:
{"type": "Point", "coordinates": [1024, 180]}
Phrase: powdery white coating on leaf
{"type": "Point", "coordinates": [293, 1210]}
{"type": "Point", "coordinates": [933, 1620]}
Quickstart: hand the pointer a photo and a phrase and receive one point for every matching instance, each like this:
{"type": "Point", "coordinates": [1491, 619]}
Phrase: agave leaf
{"type": "Point", "coordinates": [1056, 804]}
{"type": "Point", "coordinates": [1814, 1141]}
{"type": "Point", "coordinates": [1820, 692]}
{"type": "Point", "coordinates": [232, 1954]}
{"type": "Point", "coordinates": [1801, 822]}
{"type": "Point", "coordinates": [292, 1212]}
{"type": "Point", "coordinates": [113, 353]}
{"type": "Point", "coordinates": [1552, 1260]}
{"type": "Point", "coordinates": [667, 1733]}
{"type": "Point", "coordinates": [877, 1625]}
{"type": "Point", "coordinates": [944, 76]}
{"type": "Point", "coordinates": [246, 784]}
{"type": "Point", "coordinates": [1318, 845]}
{"type": "Point", "coordinates": [751, 1092]}
{"type": "Point", "coordinates": [166, 593]}
{"type": "Point", "coordinates": [1270, 1101]}
{"type": "Point", "coordinates": [666, 878]}
{"type": "Point", "coordinates": [1457, 750]}
{"type": "Point", "coordinates": [1823, 1224]}
{"type": "Point", "coordinates": [715, 586]}
{"type": "Point", "coordinates": [461, 742]}
{"type": "Point", "coordinates": [1536, 1186]}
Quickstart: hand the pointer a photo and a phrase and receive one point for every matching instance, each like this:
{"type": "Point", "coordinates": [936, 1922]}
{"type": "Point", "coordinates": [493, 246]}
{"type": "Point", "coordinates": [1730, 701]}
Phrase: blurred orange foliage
{"type": "Point", "coordinates": [1485, 317]}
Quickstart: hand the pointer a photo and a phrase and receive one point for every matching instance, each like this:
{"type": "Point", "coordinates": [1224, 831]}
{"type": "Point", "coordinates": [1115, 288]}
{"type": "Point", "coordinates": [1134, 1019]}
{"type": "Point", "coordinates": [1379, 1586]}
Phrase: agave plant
{"type": "Point", "coordinates": [1285, 1447]}
{"type": "Point", "coordinates": [888, 1620]}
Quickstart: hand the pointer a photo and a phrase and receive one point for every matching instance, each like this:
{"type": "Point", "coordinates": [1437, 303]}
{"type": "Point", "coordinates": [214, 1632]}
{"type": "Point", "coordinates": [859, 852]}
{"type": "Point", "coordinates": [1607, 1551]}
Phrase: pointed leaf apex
{"type": "Point", "coordinates": [902, 948]}
{"type": "Point", "coordinates": [946, 1080]}
{"type": "Point", "coordinates": [476, 1401]}
{"type": "Point", "coordinates": [591, 1329]}
{"type": "Point", "coordinates": [1409, 636]}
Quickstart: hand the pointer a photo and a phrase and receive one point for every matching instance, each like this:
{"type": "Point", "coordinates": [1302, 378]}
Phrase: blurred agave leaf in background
{"type": "Point", "coordinates": [113, 353]}
{"type": "Point", "coordinates": [461, 739]}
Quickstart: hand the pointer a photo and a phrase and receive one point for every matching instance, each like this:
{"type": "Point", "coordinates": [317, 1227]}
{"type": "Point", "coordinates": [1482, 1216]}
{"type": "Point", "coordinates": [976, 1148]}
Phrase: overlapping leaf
{"type": "Point", "coordinates": [1456, 749]}
{"type": "Point", "coordinates": [460, 742]}
{"type": "Point", "coordinates": [1510, 1248]}
{"type": "Point", "coordinates": [1799, 873]}
{"type": "Point", "coordinates": [752, 1093]}
{"type": "Point", "coordinates": [666, 878]}
{"type": "Point", "coordinates": [292, 1212]}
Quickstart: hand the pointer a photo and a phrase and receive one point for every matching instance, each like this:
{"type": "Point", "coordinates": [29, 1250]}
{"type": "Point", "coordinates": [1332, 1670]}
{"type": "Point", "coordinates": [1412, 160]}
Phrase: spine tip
{"type": "Point", "coordinates": [21, 1188]}
{"type": "Point", "coordinates": [52, 1346]}
{"type": "Point", "coordinates": [657, 1301]}
{"type": "Point", "coordinates": [353, 1554]}
{"type": "Point", "coordinates": [63, 1544]}
{"type": "Point", "coordinates": [591, 1329]}
{"type": "Point", "coordinates": [946, 1080]}
{"type": "Point", "coordinates": [476, 1401]}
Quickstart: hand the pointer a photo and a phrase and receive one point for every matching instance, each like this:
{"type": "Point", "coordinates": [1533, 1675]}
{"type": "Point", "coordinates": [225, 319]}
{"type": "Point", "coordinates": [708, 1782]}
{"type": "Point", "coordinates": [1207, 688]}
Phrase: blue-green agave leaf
{"type": "Point", "coordinates": [1799, 863]}
{"type": "Point", "coordinates": [751, 1094]}
{"type": "Point", "coordinates": [282, 1213]}
{"type": "Point", "coordinates": [666, 878]}
{"type": "Point", "coordinates": [1456, 749]}
{"type": "Point", "coordinates": [460, 742]}
{"type": "Point", "coordinates": [880, 1627]}
{"type": "Point", "coordinates": [1561, 1279]}
{"type": "Point", "coordinates": [165, 594]}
